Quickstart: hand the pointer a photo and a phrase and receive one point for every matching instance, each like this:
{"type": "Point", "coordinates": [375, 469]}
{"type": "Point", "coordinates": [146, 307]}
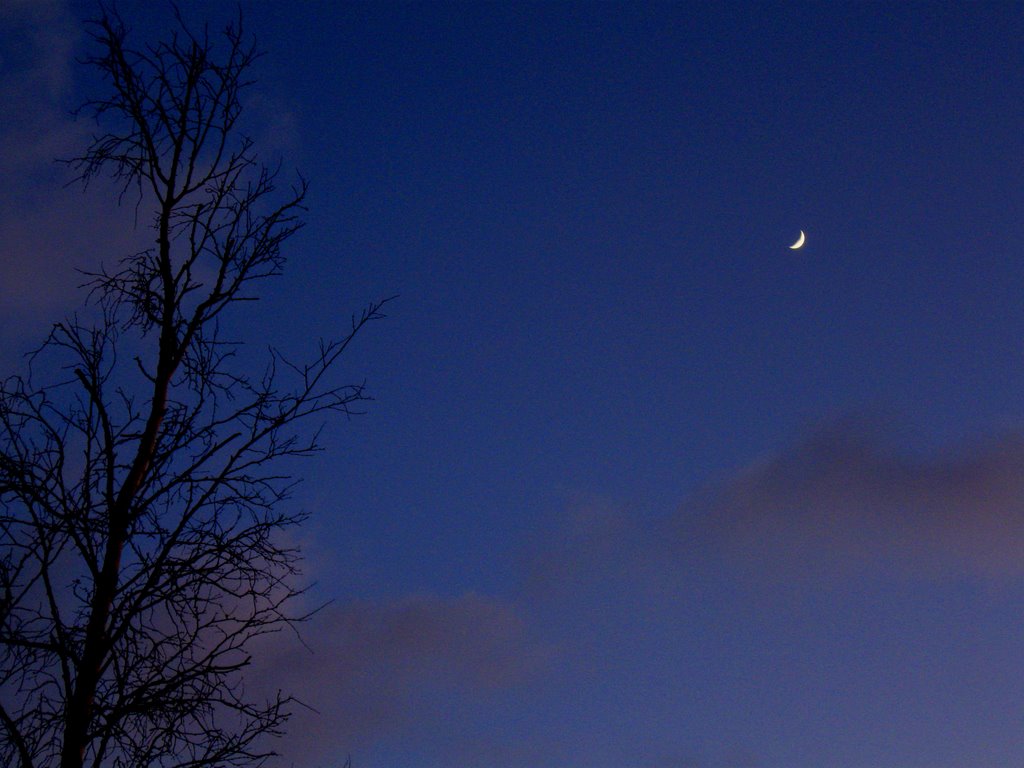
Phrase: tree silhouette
{"type": "Point", "coordinates": [141, 488]}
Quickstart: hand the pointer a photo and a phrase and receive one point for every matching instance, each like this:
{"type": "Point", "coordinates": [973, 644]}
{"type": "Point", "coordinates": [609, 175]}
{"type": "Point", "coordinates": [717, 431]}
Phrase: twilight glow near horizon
{"type": "Point", "coordinates": [640, 486]}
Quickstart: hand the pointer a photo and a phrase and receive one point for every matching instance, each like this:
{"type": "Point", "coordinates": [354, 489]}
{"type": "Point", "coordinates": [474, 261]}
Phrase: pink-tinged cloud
{"type": "Point", "coordinates": [47, 229]}
{"type": "Point", "coordinates": [50, 229]}
{"type": "Point", "coordinates": [369, 666]}
{"type": "Point", "coordinates": [844, 501]}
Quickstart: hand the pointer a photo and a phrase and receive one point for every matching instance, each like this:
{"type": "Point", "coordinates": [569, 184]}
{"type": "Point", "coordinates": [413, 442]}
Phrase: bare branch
{"type": "Point", "coordinates": [143, 505]}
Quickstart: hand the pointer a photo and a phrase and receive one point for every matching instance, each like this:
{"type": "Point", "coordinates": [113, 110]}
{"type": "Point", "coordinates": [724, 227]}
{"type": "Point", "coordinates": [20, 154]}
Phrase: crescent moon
{"type": "Point", "coordinates": [799, 242]}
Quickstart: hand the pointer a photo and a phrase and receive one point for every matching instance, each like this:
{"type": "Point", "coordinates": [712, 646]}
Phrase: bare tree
{"type": "Point", "coordinates": [140, 490]}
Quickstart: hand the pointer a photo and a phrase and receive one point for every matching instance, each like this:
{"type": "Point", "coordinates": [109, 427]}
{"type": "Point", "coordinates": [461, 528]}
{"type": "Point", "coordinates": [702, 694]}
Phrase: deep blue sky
{"type": "Point", "coordinates": [641, 486]}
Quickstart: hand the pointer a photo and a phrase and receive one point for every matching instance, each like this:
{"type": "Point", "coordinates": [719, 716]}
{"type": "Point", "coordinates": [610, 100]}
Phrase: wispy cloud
{"type": "Point", "coordinates": [47, 229]}
{"type": "Point", "coordinates": [37, 59]}
{"type": "Point", "coordinates": [777, 576]}
{"type": "Point", "coordinates": [843, 501]}
{"type": "Point", "coordinates": [368, 665]}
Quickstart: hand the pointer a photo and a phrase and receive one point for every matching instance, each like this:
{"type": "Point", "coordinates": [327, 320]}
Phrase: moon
{"type": "Point", "coordinates": [799, 242]}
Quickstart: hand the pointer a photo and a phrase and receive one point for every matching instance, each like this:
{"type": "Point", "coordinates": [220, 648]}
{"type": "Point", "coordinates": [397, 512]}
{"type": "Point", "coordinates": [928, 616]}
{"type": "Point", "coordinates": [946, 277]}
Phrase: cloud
{"type": "Point", "coordinates": [596, 537]}
{"type": "Point", "coordinates": [844, 501]}
{"type": "Point", "coordinates": [37, 57]}
{"type": "Point", "coordinates": [369, 665]}
{"type": "Point", "coordinates": [852, 564]}
{"type": "Point", "coordinates": [48, 229]}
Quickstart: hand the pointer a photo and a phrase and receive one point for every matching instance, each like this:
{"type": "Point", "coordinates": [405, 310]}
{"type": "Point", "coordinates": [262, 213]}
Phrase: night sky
{"type": "Point", "coordinates": [640, 485]}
